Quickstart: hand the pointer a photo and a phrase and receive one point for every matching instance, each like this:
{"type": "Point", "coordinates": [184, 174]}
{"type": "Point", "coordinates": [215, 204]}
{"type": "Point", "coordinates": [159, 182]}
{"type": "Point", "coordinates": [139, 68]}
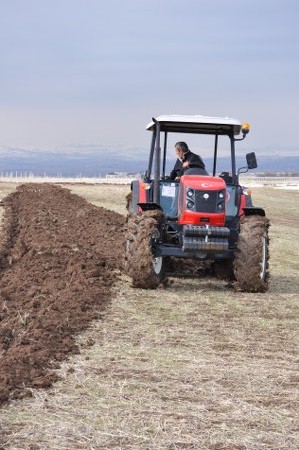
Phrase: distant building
{"type": "Point", "coordinates": [123, 175]}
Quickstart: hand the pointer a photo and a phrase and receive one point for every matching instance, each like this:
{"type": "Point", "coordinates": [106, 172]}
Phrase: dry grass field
{"type": "Point", "coordinates": [196, 365]}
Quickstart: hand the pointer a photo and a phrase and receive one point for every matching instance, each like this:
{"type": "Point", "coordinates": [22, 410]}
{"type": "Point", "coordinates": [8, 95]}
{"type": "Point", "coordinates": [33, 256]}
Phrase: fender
{"type": "Point", "coordinates": [150, 206]}
{"type": "Point", "coordinates": [253, 211]}
{"type": "Point", "coordinates": [139, 195]}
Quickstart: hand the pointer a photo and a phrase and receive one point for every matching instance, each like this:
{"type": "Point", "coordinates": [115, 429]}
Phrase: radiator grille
{"type": "Point", "coordinates": [206, 205]}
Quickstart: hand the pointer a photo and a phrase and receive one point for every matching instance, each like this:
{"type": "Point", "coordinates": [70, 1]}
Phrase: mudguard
{"type": "Point", "coordinates": [254, 211]}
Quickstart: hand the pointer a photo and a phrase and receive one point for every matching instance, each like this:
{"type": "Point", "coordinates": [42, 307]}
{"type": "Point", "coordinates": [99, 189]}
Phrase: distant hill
{"type": "Point", "coordinates": [100, 162]}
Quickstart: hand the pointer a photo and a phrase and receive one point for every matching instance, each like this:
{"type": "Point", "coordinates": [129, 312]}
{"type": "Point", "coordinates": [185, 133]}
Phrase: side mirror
{"type": "Point", "coordinates": [251, 163]}
{"type": "Point", "coordinates": [251, 160]}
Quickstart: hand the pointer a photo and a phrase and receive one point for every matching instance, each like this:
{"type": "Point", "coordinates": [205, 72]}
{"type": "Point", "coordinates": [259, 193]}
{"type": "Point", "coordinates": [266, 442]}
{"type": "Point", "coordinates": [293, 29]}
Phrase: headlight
{"type": "Point", "coordinates": [190, 193]}
{"type": "Point", "coordinates": [190, 204]}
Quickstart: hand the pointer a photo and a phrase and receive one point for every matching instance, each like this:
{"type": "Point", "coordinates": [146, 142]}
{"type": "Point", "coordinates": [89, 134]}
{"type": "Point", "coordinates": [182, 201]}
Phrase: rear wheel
{"type": "Point", "coordinates": [141, 264]}
{"type": "Point", "coordinates": [251, 264]}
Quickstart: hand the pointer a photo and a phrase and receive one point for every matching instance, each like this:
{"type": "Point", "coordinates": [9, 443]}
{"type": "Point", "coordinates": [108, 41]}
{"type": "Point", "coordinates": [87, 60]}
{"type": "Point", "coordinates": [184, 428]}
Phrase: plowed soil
{"type": "Point", "coordinates": [59, 258]}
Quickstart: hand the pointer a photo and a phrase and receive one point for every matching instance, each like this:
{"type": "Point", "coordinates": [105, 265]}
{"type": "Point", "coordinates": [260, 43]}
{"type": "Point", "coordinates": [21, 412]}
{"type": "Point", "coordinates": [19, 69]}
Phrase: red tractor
{"type": "Point", "coordinates": [199, 216]}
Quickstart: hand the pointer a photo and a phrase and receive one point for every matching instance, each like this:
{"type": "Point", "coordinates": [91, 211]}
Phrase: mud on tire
{"type": "Point", "coordinates": [251, 262]}
{"type": "Point", "coordinates": [145, 270]}
{"type": "Point", "coordinates": [129, 202]}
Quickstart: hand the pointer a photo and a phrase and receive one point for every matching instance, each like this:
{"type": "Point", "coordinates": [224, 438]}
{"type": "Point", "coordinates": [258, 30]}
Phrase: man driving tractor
{"type": "Point", "coordinates": [187, 163]}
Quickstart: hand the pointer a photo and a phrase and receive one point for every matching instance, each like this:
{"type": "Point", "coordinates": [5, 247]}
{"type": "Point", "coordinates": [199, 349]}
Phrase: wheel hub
{"type": "Point", "coordinates": [157, 264]}
{"type": "Point", "coordinates": [158, 260]}
{"type": "Point", "coordinates": [264, 259]}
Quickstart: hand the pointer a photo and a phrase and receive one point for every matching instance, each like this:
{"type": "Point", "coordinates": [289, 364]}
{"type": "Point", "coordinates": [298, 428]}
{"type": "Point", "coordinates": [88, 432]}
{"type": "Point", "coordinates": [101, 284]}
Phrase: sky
{"type": "Point", "coordinates": [77, 74]}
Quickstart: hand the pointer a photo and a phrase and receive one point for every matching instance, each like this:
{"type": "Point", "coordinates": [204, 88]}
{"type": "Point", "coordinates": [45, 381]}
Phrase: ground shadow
{"type": "Point", "coordinates": [280, 284]}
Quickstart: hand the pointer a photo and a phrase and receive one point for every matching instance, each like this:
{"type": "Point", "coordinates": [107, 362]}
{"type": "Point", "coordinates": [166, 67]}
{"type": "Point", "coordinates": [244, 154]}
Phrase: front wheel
{"type": "Point", "coordinates": [145, 268]}
{"type": "Point", "coordinates": [251, 264]}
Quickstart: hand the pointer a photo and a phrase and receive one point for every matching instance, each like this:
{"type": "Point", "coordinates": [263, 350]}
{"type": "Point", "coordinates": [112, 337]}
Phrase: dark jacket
{"type": "Point", "coordinates": [192, 158]}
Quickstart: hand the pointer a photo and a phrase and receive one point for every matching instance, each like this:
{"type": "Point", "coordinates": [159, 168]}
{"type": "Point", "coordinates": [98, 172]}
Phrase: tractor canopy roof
{"type": "Point", "coordinates": [196, 124]}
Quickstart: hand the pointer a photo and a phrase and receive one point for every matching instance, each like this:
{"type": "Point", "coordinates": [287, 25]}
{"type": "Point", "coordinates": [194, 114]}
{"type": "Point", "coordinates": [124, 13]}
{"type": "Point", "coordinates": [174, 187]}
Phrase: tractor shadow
{"type": "Point", "coordinates": [200, 282]}
{"type": "Point", "coordinates": [280, 284]}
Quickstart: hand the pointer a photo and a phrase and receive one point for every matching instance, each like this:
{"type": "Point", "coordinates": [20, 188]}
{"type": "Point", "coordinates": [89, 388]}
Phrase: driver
{"type": "Point", "coordinates": [184, 160]}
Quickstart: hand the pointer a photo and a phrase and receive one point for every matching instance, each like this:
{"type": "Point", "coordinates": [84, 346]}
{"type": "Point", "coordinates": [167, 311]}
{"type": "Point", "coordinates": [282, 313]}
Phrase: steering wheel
{"type": "Point", "coordinates": [195, 165]}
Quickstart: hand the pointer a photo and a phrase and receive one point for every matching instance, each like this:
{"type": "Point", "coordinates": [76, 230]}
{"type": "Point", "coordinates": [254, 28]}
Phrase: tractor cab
{"type": "Point", "coordinates": [174, 197]}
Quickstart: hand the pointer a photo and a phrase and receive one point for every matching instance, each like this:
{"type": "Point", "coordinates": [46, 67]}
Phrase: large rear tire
{"type": "Point", "coordinates": [145, 269]}
{"type": "Point", "coordinates": [251, 264]}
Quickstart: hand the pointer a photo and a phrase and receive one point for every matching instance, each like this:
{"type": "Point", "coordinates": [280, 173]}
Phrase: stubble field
{"type": "Point", "coordinates": [193, 366]}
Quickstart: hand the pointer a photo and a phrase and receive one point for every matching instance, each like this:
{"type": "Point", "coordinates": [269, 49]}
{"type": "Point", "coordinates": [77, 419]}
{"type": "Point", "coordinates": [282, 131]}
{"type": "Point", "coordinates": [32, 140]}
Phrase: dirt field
{"type": "Point", "coordinates": [58, 260]}
{"type": "Point", "coordinates": [193, 366]}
